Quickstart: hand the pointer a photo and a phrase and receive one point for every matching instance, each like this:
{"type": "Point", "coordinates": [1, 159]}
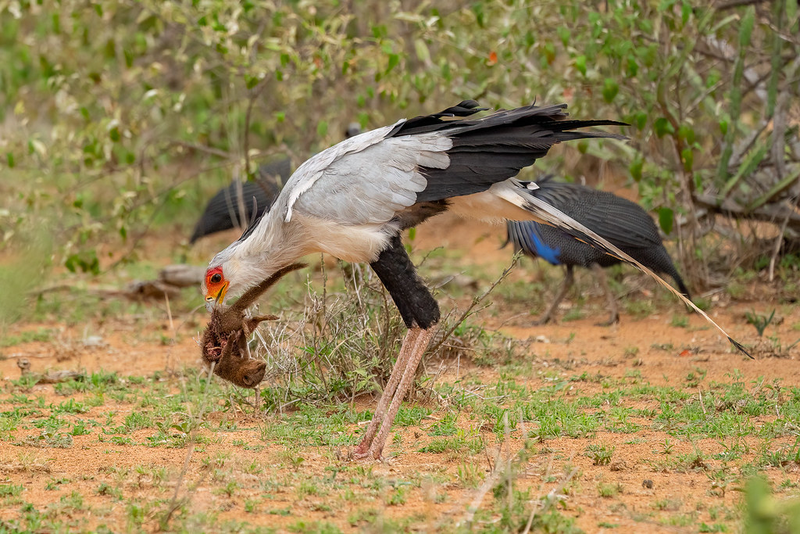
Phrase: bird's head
{"type": "Point", "coordinates": [228, 275]}
{"type": "Point", "coordinates": [222, 278]}
{"type": "Point", "coordinates": [215, 286]}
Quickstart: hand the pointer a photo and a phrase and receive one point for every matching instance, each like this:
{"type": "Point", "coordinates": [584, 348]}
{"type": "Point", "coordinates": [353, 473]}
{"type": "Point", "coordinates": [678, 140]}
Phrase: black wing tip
{"type": "Point", "coordinates": [740, 347]}
{"type": "Point", "coordinates": [465, 108]}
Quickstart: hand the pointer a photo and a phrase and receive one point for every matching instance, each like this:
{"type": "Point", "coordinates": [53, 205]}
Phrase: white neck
{"type": "Point", "coordinates": [266, 250]}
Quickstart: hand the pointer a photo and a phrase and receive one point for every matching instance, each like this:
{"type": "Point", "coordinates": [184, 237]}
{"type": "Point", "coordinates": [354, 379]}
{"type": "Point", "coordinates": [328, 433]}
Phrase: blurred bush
{"type": "Point", "coordinates": [111, 110]}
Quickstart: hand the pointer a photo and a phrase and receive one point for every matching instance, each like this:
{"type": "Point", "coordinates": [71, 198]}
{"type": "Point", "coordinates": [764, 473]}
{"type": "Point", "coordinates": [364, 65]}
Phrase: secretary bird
{"type": "Point", "coordinates": [354, 199]}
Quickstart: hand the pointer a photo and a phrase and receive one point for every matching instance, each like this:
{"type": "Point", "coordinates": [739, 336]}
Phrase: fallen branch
{"type": "Point", "coordinates": [770, 213]}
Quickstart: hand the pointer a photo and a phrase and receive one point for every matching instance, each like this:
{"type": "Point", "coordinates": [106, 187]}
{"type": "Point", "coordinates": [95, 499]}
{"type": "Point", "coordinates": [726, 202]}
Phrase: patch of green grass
{"type": "Point", "coordinates": [679, 321]}
{"type": "Point", "coordinates": [445, 427]}
{"type": "Point", "coordinates": [573, 314]}
{"type": "Point", "coordinates": [70, 406]}
{"type": "Point", "coordinates": [608, 491]}
{"type": "Point", "coordinates": [10, 490]}
{"type": "Point", "coordinates": [411, 416]}
{"type": "Point", "coordinates": [599, 454]}
{"type": "Point", "coordinates": [138, 420]}
{"type": "Point", "coordinates": [397, 497]}
{"type": "Point", "coordinates": [49, 438]}
{"type": "Point", "coordinates": [42, 335]}
{"type": "Point", "coordinates": [557, 417]}
{"type": "Point", "coordinates": [313, 527]}
{"type": "Point", "coordinates": [461, 442]}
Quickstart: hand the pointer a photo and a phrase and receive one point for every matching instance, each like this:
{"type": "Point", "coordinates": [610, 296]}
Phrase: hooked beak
{"type": "Point", "coordinates": [213, 300]}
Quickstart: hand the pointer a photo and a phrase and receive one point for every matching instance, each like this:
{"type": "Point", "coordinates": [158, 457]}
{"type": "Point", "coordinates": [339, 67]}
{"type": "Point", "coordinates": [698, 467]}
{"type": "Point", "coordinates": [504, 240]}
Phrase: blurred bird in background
{"type": "Point", "coordinates": [620, 221]}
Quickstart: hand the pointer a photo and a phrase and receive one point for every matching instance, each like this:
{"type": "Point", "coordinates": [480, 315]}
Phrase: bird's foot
{"type": "Point", "coordinates": [360, 452]}
{"type": "Point", "coordinates": [364, 452]}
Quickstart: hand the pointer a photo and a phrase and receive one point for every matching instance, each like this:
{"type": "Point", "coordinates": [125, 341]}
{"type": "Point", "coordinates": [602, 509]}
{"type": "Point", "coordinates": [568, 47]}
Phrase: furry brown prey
{"type": "Point", "coordinates": [224, 341]}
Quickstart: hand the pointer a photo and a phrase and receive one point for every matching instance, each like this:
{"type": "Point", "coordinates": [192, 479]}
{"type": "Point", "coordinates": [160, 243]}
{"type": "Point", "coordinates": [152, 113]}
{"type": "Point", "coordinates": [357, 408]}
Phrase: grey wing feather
{"type": "Point", "coordinates": [368, 179]}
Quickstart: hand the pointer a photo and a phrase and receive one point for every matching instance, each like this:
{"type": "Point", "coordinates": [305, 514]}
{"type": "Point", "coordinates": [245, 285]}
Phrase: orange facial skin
{"type": "Point", "coordinates": [216, 286]}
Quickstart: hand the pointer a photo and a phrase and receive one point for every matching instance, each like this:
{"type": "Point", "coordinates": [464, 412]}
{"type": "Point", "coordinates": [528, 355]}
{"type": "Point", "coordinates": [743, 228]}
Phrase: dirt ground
{"type": "Point", "coordinates": [249, 472]}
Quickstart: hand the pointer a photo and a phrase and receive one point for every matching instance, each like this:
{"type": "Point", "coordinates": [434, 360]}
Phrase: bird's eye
{"type": "Point", "coordinates": [216, 279]}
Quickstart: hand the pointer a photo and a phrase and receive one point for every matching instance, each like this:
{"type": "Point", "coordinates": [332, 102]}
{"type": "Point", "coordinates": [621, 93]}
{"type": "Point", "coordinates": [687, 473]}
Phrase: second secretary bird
{"type": "Point", "coordinates": [354, 199]}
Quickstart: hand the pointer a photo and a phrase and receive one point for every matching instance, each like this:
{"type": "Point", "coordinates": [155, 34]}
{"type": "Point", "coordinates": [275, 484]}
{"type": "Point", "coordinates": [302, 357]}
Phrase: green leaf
{"type": "Point", "coordinates": [412, 233]}
{"type": "Point", "coordinates": [580, 64]}
{"type": "Point", "coordinates": [583, 146]}
{"type": "Point", "coordinates": [663, 127]}
{"type": "Point", "coordinates": [636, 169]}
{"type": "Point", "coordinates": [791, 13]}
{"type": "Point", "coordinates": [666, 218]}
{"type": "Point", "coordinates": [446, 74]}
{"type": "Point", "coordinates": [686, 12]}
{"type": "Point", "coordinates": [549, 52]}
{"type": "Point", "coordinates": [723, 127]}
{"type": "Point", "coordinates": [422, 50]}
{"type": "Point", "coordinates": [686, 133]}
{"type": "Point", "coordinates": [610, 90]}
{"type": "Point", "coordinates": [640, 120]}
{"type": "Point", "coordinates": [748, 165]}
{"type": "Point", "coordinates": [563, 34]}
{"type": "Point", "coordinates": [632, 68]}
{"type": "Point", "coordinates": [687, 157]}
{"type": "Point", "coordinates": [251, 81]}
{"type": "Point", "coordinates": [394, 60]}
{"type": "Point", "coordinates": [280, 116]}
{"type": "Point", "coordinates": [322, 128]}
{"type": "Point", "coordinates": [10, 160]}
{"type": "Point", "coordinates": [665, 5]}
{"type": "Point", "coordinates": [746, 28]}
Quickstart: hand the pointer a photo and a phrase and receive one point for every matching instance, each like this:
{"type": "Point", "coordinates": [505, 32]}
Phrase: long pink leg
{"type": "Point", "coordinates": [388, 392]}
{"type": "Point", "coordinates": [420, 344]}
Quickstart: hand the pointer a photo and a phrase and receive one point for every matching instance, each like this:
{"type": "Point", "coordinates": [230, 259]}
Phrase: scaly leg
{"type": "Point", "coordinates": [421, 341]}
{"type": "Point", "coordinates": [388, 392]}
{"type": "Point", "coordinates": [568, 281]}
{"type": "Point", "coordinates": [612, 302]}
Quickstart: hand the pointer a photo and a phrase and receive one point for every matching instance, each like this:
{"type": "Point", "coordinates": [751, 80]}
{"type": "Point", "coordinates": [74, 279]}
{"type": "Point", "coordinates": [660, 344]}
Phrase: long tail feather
{"type": "Point", "coordinates": [520, 195]}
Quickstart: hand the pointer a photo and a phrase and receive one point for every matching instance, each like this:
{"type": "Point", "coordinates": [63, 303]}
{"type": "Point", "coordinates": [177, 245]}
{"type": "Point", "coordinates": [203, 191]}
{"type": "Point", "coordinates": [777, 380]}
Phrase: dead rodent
{"type": "Point", "coordinates": [224, 340]}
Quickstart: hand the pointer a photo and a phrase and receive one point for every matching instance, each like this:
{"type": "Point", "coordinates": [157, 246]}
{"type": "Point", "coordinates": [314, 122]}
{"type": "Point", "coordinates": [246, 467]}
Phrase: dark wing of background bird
{"type": "Point", "coordinates": [619, 220]}
{"type": "Point", "coordinates": [222, 212]}
{"type": "Point", "coordinates": [622, 222]}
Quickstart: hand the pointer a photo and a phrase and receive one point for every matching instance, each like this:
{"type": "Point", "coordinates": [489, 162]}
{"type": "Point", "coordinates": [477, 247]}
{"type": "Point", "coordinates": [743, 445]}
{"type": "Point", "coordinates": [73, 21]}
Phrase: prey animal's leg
{"type": "Point", "coordinates": [415, 356]}
{"type": "Point", "coordinates": [250, 324]}
{"type": "Point", "coordinates": [388, 392]}
{"type": "Point", "coordinates": [612, 302]}
{"type": "Point", "coordinates": [548, 315]}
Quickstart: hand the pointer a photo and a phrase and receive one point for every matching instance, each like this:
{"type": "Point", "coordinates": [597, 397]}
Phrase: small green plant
{"type": "Point", "coordinates": [600, 454]}
{"type": "Point", "coordinates": [630, 352]}
{"type": "Point", "coordinates": [679, 321]}
{"type": "Point", "coordinates": [10, 490]}
{"type": "Point", "coordinates": [608, 491]}
{"type": "Point", "coordinates": [397, 497]}
{"type": "Point", "coordinates": [759, 322]}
